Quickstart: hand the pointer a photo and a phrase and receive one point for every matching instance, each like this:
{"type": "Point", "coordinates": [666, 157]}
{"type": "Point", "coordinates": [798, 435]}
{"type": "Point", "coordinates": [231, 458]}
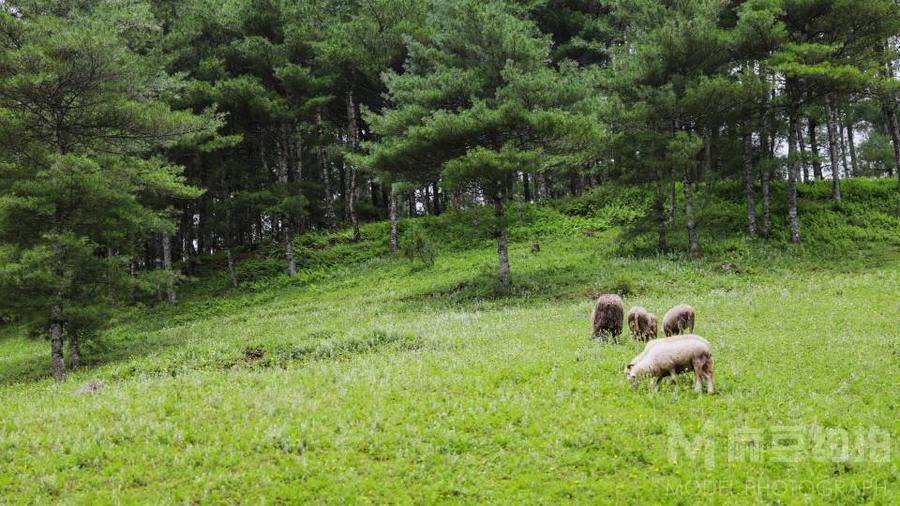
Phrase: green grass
{"type": "Point", "coordinates": [371, 379]}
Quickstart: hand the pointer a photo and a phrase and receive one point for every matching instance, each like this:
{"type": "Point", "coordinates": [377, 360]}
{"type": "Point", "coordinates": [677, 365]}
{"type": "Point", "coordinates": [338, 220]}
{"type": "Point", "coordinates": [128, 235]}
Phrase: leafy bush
{"type": "Point", "coordinates": [624, 284]}
{"type": "Point", "coordinates": [257, 268]}
{"type": "Point", "coordinates": [618, 205]}
{"type": "Point", "coordinates": [417, 247]}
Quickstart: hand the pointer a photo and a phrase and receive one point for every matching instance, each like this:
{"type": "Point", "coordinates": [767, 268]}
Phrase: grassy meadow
{"type": "Point", "coordinates": [373, 378]}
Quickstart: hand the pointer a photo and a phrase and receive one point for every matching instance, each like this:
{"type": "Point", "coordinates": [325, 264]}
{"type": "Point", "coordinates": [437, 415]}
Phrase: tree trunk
{"type": "Point", "coordinates": [289, 247]}
{"type": "Point", "coordinates": [373, 194]}
{"type": "Point", "coordinates": [706, 167]}
{"type": "Point", "coordinates": [545, 191]}
{"type": "Point", "coordinates": [167, 265]}
{"type": "Point", "coordinates": [287, 229]}
{"type": "Point", "coordinates": [748, 182]}
{"type": "Point", "coordinates": [814, 150]}
{"type": "Point", "coordinates": [344, 189]}
{"type": "Point", "coordinates": [351, 201]}
{"type": "Point", "coordinates": [715, 159]}
{"type": "Point", "coordinates": [851, 143]}
{"type": "Point", "coordinates": [436, 195]}
{"type": "Point", "coordinates": [298, 156]}
{"type": "Point", "coordinates": [767, 153]}
{"type": "Point", "coordinates": [526, 187]}
{"type": "Point", "coordinates": [412, 203]}
{"type": "Point", "coordinates": [177, 243]}
{"type": "Point", "coordinates": [502, 252]}
{"type": "Point", "coordinates": [202, 220]}
{"type": "Point", "coordinates": [426, 199]}
{"type": "Point", "coordinates": [659, 208]}
{"type": "Point", "coordinates": [353, 138]}
{"type": "Point", "coordinates": [231, 275]}
{"type": "Point", "coordinates": [832, 151]}
{"type": "Point", "coordinates": [74, 349]}
{"type": "Point", "coordinates": [689, 216]}
{"type": "Point", "coordinates": [892, 127]}
{"type": "Point", "coordinates": [330, 216]}
{"type": "Point", "coordinates": [394, 211]}
{"type": "Point", "coordinates": [802, 145]}
{"type": "Point", "coordinates": [764, 177]}
{"type": "Point", "coordinates": [229, 238]}
{"type": "Point", "coordinates": [573, 183]}
{"type": "Point", "coordinates": [186, 228]}
{"type": "Point", "coordinates": [386, 197]}
{"type": "Point", "coordinates": [841, 131]}
{"type": "Point", "coordinates": [328, 198]}
{"type": "Point", "coordinates": [793, 171]}
{"type": "Point", "coordinates": [58, 364]}
{"type": "Point", "coordinates": [673, 200]}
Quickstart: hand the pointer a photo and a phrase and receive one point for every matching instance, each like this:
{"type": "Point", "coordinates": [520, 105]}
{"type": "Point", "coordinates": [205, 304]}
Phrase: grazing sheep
{"type": "Point", "coordinates": [671, 355]}
{"type": "Point", "coordinates": [679, 320]}
{"type": "Point", "coordinates": [90, 388]}
{"type": "Point", "coordinates": [641, 323]}
{"type": "Point", "coordinates": [607, 317]}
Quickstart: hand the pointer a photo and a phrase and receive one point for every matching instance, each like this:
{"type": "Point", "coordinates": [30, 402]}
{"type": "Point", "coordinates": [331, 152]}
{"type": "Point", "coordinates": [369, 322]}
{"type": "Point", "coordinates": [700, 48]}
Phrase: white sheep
{"type": "Point", "coordinates": [671, 355]}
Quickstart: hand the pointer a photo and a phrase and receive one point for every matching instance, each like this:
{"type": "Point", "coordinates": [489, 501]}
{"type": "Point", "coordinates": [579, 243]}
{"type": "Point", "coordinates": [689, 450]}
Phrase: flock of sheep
{"type": "Point", "coordinates": [679, 351]}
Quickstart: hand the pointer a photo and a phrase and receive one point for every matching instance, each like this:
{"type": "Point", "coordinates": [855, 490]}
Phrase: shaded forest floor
{"type": "Point", "coordinates": [370, 377]}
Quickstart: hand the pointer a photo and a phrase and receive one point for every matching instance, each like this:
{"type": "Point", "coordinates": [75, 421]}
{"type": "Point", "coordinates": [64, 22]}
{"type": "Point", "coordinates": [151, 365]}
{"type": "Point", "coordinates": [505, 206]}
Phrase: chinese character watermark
{"type": "Point", "coordinates": [782, 443]}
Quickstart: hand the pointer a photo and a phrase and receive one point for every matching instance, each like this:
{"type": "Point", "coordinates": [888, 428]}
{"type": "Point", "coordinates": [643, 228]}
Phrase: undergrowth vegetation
{"type": "Point", "coordinates": [371, 377]}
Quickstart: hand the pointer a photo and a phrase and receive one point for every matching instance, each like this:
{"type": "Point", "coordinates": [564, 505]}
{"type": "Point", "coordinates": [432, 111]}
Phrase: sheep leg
{"type": "Point", "coordinates": [656, 383]}
{"type": "Point", "coordinates": [709, 376]}
{"type": "Point", "coordinates": [673, 377]}
{"type": "Point", "coordinates": [698, 370]}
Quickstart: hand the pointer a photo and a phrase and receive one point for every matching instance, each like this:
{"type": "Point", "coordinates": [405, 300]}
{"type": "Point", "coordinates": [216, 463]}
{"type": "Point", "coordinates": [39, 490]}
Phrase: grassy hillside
{"type": "Point", "coordinates": [371, 378]}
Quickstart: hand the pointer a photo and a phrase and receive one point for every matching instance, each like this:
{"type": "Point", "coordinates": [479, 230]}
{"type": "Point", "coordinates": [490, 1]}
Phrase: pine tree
{"type": "Point", "coordinates": [477, 104]}
{"type": "Point", "coordinates": [87, 113]}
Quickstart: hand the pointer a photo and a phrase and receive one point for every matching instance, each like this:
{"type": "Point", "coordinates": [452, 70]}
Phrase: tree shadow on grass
{"type": "Point", "coordinates": [35, 367]}
{"type": "Point", "coordinates": [528, 286]}
{"type": "Point", "coordinates": [149, 327]}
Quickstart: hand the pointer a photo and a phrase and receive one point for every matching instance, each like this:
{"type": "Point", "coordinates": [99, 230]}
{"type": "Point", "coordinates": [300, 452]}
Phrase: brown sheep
{"type": "Point", "coordinates": [671, 355]}
{"type": "Point", "coordinates": [642, 324]}
{"type": "Point", "coordinates": [679, 320]}
{"type": "Point", "coordinates": [608, 315]}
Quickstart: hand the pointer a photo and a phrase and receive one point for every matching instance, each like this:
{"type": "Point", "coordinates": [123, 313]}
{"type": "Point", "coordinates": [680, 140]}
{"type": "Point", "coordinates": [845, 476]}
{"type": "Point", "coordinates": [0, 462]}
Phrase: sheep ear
{"type": "Point", "coordinates": [629, 366]}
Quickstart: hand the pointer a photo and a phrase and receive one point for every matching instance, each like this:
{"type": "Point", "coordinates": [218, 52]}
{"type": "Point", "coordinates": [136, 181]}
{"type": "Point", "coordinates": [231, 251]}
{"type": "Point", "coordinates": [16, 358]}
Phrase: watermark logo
{"type": "Point", "coordinates": [781, 443]}
{"type": "Point", "coordinates": [702, 446]}
{"type": "Point", "coordinates": [826, 489]}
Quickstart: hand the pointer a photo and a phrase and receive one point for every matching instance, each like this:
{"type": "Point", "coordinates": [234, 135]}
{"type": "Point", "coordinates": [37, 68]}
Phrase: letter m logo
{"type": "Point", "coordinates": [701, 447]}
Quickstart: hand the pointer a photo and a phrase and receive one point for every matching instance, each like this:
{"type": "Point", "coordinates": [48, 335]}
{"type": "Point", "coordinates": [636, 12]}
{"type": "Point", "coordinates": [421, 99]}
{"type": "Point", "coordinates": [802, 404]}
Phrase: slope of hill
{"type": "Point", "coordinates": [372, 378]}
